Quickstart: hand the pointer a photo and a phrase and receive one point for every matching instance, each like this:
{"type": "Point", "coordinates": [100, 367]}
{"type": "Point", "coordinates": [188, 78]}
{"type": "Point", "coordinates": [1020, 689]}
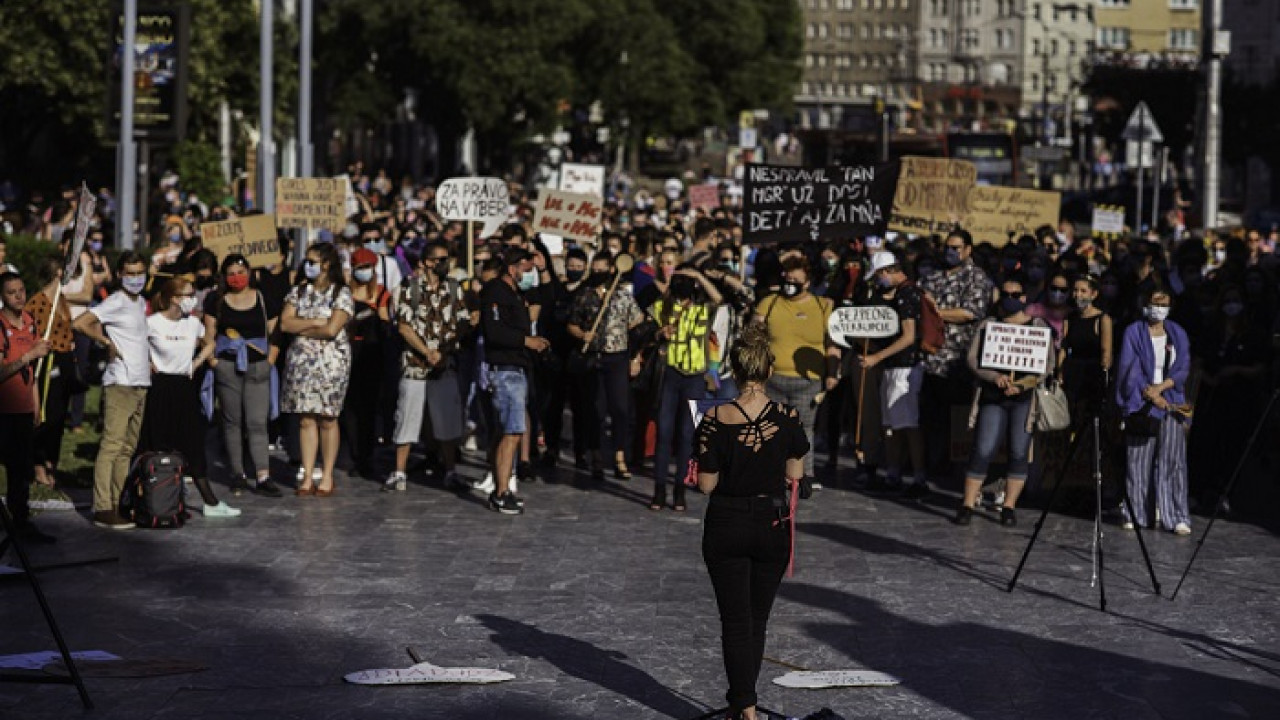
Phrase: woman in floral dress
{"type": "Point", "coordinates": [318, 365]}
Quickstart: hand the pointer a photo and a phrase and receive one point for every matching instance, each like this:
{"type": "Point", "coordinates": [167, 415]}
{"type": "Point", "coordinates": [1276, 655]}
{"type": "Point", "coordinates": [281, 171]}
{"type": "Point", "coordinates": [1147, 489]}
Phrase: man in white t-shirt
{"type": "Point", "coordinates": [119, 323]}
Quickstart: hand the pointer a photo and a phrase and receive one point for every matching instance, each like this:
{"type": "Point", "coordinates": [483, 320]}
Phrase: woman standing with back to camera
{"type": "Point", "coordinates": [750, 460]}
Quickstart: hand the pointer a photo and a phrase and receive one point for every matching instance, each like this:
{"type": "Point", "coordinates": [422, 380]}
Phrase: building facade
{"type": "Point", "coordinates": [1148, 33]}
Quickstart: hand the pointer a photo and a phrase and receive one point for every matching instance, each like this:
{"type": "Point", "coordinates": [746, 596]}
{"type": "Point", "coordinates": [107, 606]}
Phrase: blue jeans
{"type": "Point", "coordinates": [995, 421]}
{"type": "Point", "coordinates": [510, 394]}
{"type": "Point", "coordinates": [675, 424]}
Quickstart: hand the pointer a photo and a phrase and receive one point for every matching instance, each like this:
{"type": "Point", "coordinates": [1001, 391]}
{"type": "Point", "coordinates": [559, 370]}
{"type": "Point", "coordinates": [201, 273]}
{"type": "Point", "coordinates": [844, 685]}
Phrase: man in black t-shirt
{"type": "Point", "coordinates": [903, 373]}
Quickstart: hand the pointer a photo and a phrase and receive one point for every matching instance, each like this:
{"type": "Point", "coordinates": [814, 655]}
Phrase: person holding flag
{"type": "Point", "coordinates": [20, 349]}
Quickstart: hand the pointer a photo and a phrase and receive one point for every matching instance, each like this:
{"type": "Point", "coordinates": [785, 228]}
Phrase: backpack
{"type": "Point", "coordinates": [154, 495]}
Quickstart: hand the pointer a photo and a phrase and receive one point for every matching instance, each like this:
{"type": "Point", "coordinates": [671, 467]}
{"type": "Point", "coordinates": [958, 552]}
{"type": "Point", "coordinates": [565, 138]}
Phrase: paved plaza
{"type": "Point", "coordinates": [602, 609]}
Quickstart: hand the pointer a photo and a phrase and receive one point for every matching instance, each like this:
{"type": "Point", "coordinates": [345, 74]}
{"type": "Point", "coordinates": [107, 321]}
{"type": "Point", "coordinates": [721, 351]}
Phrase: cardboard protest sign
{"type": "Point", "coordinates": [932, 194]}
{"type": "Point", "coordinates": [796, 203]}
{"type": "Point", "coordinates": [1108, 220]}
{"type": "Point", "coordinates": [571, 215]}
{"type": "Point", "coordinates": [1018, 348]}
{"type": "Point", "coordinates": [816, 679]}
{"type": "Point", "coordinates": [873, 321]}
{"type": "Point", "coordinates": [705, 196]}
{"type": "Point", "coordinates": [311, 203]}
{"type": "Point", "coordinates": [352, 205]}
{"type": "Point", "coordinates": [483, 199]}
{"type": "Point", "coordinates": [425, 672]}
{"type": "Point", "coordinates": [253, 236]}
{"type": "Point", "coordinates": [584, 179]}
{"type": "Point", "coordinates": [995, 212]}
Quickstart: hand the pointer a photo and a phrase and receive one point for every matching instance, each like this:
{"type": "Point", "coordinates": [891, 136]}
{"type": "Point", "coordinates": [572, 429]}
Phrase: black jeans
{"type": "Point", "coordinates": [613, 400]}
{"type": "Point", "coordinates": [17, 432]}
{"type": "Point", "coordinates": [746, 555]}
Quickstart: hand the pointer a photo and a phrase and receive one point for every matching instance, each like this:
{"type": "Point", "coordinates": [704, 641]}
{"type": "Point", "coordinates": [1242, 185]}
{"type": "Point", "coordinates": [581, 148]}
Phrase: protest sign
{"type": "Point", "coordinates": [584, 179]}
{"type": "Point", "coordinates": [873, 321]}
{"type": "Point", "coordinates": [1108, 220]}
{"type": "Point", "coordinates": [995, 212]}
{"type": "Point", "coordinates": [351, 204]}
{"type": "Point", "coordinates": [253, 236]}
{"type": "Point", "coordinates": [311, 203]}
{"type": "Point", "coordinates": [1018, 348]}
{"type": "Point", "coordinates": [705, 196]}
{"type": "Point", "coordinates": [483, 199]}
{"type": "Point", "coordinates": [796, 203]}
{"type": "Point", "coordinates": [932, 195]}
{"type": "Point", "coordinates": [571, 215]}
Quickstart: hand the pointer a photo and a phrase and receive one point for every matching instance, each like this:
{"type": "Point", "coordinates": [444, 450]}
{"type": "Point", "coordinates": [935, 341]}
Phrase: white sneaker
{"type": "Point", "coordinates": [396, 482]}
{"type": "Point", "coordinates": [221, 510]}
{"type": "Point", "coordinates": [512, 486]}
{"type": "Point", "coordinates": [1182, 529]}
{"type": "Point", "coordinates": [470, 445]}
{"type": "Point", "coordinates": [486, 486]}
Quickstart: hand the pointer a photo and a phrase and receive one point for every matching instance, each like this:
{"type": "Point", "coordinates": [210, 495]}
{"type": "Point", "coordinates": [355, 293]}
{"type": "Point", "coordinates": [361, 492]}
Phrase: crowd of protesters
{"type": "Point", "coordinates": [377, 335]}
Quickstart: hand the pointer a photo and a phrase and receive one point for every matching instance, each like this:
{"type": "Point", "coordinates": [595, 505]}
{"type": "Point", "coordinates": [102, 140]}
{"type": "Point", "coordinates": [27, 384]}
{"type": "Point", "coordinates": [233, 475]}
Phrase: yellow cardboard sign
{"type": "Point", "coordinates": [253, 236]}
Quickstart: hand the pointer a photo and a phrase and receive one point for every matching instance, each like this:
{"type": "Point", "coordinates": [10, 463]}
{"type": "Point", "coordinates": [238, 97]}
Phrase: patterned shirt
{"type": "Point", "coordinates": [438, 317]}
{"type": "Point", "coordinates": [61, 339]}
{"type": "Point", "coordinates": [968, 288]}
{"type": "Point", "coordinates": [611, 336]}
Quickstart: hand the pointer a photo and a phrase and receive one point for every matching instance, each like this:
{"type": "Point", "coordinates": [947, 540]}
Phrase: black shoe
{"type": "Point", "coordinates": [28, 532]}
{"type": "Point", "coordinates": [239, 485]}
{"type": "Point", "coordinates": [505, 504]}
{"type": "Point", "coordinates": [1008, 517]}
{"type": "Point", "coordinates": [916, 490]}
{"type": "Point", "coordinates": [963, 516]}
{"type": "Point", "coordinates": [267, 488]}
{"type": "Point", "coordinates": [524, 472]}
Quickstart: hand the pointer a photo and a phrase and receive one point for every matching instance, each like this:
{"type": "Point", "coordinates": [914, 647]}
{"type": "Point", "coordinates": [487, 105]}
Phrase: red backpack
{"type": "Point", "coordinates": [933, 332]}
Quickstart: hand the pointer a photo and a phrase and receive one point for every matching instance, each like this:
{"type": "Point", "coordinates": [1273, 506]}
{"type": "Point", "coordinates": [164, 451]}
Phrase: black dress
{"type": "Point", "coordinates": [1082, 376]}
{"type": "Point", "coordinates": [746, 541]}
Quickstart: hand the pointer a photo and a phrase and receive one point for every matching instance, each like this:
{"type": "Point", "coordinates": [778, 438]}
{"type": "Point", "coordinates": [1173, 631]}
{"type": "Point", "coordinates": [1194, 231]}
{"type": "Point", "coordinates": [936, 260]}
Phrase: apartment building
{"type": "Point", "coordinates": [1149, 33]}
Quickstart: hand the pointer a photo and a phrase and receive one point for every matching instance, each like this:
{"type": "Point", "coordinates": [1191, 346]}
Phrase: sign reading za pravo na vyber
{"type": "Point", "coordinates": [869, 321]}
{"type": "Point", "coordinates": [782, 203]}
{"type": "Point", "coordinates": [1017, 348]}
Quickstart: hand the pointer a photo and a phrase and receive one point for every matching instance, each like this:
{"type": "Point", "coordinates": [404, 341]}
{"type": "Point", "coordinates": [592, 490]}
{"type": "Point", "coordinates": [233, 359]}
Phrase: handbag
{"type": "Point", "coordinates": [1140, 424]}
{"type": "Point", "coordinates": [1053, 412]}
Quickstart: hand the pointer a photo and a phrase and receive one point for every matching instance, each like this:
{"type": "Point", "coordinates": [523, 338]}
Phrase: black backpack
{"type": "Point", "coordinates": [154, 495]}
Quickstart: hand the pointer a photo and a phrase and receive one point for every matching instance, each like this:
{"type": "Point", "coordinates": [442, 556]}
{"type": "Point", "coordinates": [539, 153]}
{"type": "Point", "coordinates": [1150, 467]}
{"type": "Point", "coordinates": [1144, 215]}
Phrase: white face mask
{"type": "Point", "coordinates": [1156, 313]}
{"type": "Point", "coordinates": [363, 275]}
{"type": "Point", "coordinates": [311, 269]}
{"type": "Point", "coordinates": [187, 304]}
{"type": "Point", "coordinates": [134, 284]}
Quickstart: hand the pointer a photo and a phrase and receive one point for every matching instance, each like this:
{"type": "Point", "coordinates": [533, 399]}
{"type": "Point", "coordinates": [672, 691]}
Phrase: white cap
{"type": "Point", "coordinates": [882, 260]}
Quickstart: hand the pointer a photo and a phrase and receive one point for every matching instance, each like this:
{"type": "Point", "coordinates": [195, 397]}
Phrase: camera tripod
{"type": "Point", "coordinates": [1226, 489]}
{"type": "Point", "coordinates": [1097, 553]}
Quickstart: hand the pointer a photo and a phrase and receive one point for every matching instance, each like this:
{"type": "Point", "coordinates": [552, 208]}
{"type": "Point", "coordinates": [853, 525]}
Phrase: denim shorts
{"type": "Point", "coordinates": [510, 393]}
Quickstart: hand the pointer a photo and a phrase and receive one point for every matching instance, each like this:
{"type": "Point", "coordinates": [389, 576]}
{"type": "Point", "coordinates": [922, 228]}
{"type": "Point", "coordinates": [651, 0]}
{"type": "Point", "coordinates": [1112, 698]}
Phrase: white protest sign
{"type": "Point", "coordinates": [483, 199]}
{"type": "Point", "coordinates": [585, 179]}
{"type": "Point", "coordinates": [873, 321]}
{"type": "Point", "coordinates": [572, 215]}
{"type": "Point", "coordinates": [1019, 348]}
{"type": "Point", "coordinates": [425, 673]}
{"type": "Point", "coordinates": [813, 680]}
{"type": "Point", "coordinates": [1108, 220]}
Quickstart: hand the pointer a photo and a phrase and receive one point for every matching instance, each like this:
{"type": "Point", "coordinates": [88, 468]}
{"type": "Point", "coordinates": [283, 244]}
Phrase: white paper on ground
{"type": "Point", "coordinates": [427, 673]}
{"type": "Point", "coordinates": [813, 680]}
{"type": "Point", "coordinates": [37, 660]}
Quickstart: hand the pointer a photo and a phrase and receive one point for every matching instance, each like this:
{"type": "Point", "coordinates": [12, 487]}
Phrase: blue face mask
{"type": "Point", "coordinates": [529, 280]}
{"type": "Point", "coordinates": [379, 247]}
{"type": "Point", "coordinates": [951, 257]}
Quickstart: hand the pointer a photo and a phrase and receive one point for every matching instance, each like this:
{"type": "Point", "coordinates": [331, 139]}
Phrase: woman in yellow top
{"type": "Point", "coordinates": [684, 320]}
{"type": "Point", "coordinates": [807, 361]}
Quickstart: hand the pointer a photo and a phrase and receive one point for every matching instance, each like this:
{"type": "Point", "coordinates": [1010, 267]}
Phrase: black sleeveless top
{"type": "Point", "coordinates": [751, 457]}
{"type": "Point", "coordinates": [1082, 370]}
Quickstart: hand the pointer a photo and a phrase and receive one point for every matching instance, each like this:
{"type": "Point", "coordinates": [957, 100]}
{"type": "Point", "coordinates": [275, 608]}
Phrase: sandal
{"type": "Point", "coordinates": [621, 471]}
{"type": "Point", "coordinates": [677, 500]}
{"type": "Point", "coordinates": [659, 500]}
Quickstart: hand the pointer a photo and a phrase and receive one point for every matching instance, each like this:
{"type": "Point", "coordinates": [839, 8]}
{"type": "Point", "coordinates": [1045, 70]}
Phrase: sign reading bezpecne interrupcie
{"type": "Point", "coordinates": [872, 321]}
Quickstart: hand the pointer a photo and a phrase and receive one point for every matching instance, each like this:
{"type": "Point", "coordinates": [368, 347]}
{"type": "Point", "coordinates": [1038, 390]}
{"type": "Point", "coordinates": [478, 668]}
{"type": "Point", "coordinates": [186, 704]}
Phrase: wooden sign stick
{"type": "Point", "coordinates": [620, 266]}
{"type": "Point", "coordinates": [862, 393]}
{"type": "Point", "coordinates": [471, 252]}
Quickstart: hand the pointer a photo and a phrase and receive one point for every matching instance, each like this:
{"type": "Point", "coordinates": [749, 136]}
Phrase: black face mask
{"type": "Point", "coordinates": [790, 289]}
{"type": "Point", "coordinates": [597, 277]}
{"type": "Point", "coordinates": [574, 275]}
{"type": "Point", "coordinates": [1010, 305]}
{"type": "Point", "coordinates": [441, 270]}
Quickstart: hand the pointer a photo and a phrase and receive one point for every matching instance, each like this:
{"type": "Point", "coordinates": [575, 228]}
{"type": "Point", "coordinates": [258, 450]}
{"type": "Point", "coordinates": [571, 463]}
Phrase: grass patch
{"type": "Point", "coordinates": [75, 463]}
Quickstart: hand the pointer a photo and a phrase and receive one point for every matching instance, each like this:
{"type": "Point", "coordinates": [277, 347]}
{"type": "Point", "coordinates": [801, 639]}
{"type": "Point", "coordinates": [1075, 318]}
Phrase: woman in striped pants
{"type": "Point", "coordinates": [1155, 359]}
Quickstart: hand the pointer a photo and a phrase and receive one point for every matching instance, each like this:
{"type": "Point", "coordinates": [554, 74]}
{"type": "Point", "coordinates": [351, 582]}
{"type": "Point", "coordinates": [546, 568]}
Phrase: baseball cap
{"type": "Point", "coordinates": [882, 260]}
{"type": "Point", "coordinates": [363, 256]}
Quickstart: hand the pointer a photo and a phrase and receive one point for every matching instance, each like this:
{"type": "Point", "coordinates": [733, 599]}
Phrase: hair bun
{"type": "Point", "coordinates": [754, 335]}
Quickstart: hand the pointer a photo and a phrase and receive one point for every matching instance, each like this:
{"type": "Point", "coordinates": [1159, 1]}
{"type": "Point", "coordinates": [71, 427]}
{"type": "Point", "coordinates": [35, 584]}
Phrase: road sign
{"type": "Point", "coordinates": [1139, 154]}
{"type": "Point", "coordinates": [1044, 153]}
{"type": "Point", "coordinates": [1142, 126]}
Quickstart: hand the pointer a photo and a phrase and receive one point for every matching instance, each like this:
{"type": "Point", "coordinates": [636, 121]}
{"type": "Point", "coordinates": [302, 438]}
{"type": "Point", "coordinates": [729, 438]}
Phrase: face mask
{"type": "Point", "coordinates": [1232, 309]}
{"type": "Point", "coordinates": [1219, 256]}
{"type": "Point", "coordinates": [790, 290]}
{"type": "Point", "coordinates": [884, 282]}
{"type": "Point", "coordinates": [599, 278]}
{"type": "Point", "coordinates": [1010, 305]}
{"type": "Point", "coordinates": [311, 269]}
{"type": "Point", "coordinates": [363, 275]}
{"type": "Point", "coordinates": [1084, 302]}
{"type": "Point", "coordinates": [729, 266]}
{"type": "Point", "coordinates": [187, 304]}
{"type": "Point", "coordinates": [378, 247]}
{"type": "Point", "coordinates": [1057, 297]}
{"type": "Point", "coordinates": [830, 262]}
{"type": "Point", "coordinates": [528, 280]}
{"type": "Point", "coordinates": [237, 282]}
{"type": "Point", "coordinates": [134, 284]}
{"type": "Point", "coordinates": [574, 275]}
{"type": "Point", "coordinates": [951, 257]}
{"type": "Point", "coordinates": [1156, 313]}
{"type": "Point", "coordinates": [441, 270]}
{"type": "Point", "coordinates": [95, 245]}
{"type": "Point", "coordinates": [175, 237]}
